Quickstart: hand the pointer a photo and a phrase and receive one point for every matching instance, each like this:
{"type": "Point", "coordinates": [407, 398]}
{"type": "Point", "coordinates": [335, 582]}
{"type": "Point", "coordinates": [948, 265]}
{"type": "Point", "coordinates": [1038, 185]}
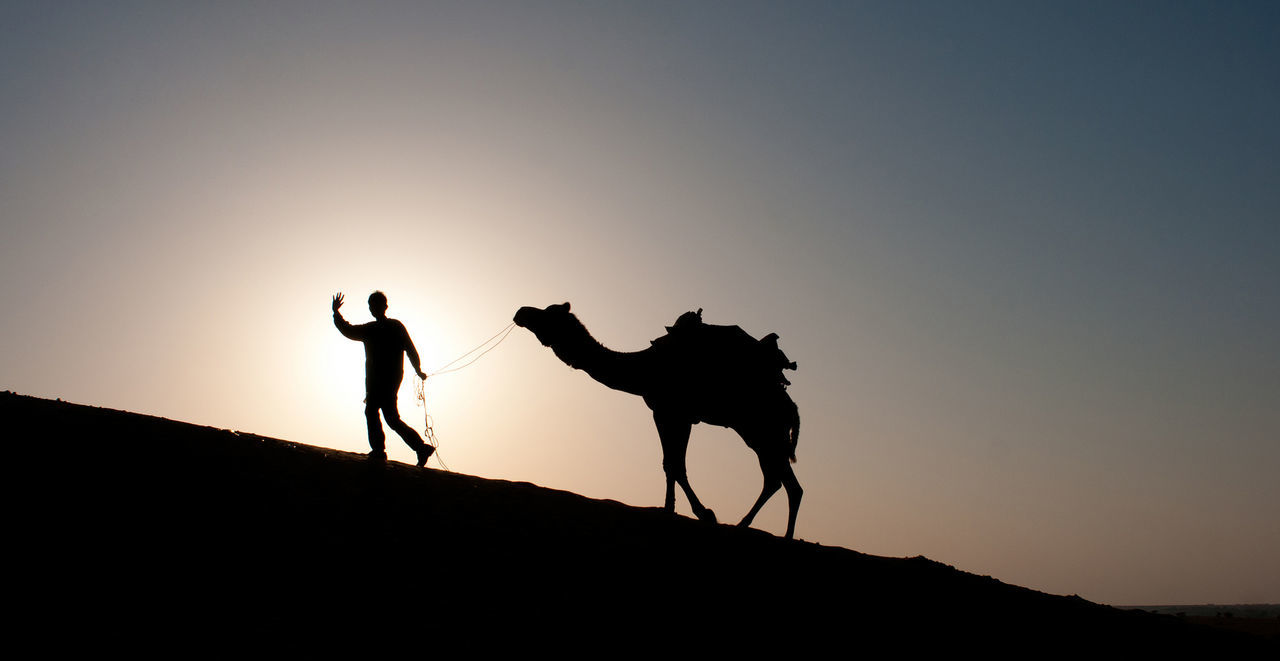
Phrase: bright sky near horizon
{"type": "Point", "coordinates": [1027, 255]}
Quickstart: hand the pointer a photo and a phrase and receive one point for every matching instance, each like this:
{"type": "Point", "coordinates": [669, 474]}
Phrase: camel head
{"type": "Point", "coordinates": [549, 324]}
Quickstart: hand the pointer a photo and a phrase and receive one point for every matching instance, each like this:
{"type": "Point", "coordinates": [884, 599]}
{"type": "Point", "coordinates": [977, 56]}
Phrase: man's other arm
{"type": "Point", "coordinates": [411, 352]}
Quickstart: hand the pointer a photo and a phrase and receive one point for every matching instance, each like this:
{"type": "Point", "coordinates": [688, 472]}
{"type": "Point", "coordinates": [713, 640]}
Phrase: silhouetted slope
{"type": "Point", "coordinates": [133, 520]}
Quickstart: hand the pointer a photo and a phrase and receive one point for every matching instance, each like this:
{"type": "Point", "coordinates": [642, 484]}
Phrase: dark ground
{"type": "Point", "coordinates": [130, 531]}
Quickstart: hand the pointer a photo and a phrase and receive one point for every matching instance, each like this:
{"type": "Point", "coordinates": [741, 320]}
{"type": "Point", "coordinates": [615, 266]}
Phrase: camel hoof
{"type": "Point", "coordinates": [707, 515]}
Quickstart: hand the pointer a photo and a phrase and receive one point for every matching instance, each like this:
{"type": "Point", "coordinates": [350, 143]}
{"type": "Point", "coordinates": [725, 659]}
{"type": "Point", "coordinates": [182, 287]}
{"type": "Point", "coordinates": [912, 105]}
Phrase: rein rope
{"type": "Point", "coordinates": [419, 386]}
{"type": "Point", "coordinates": [445, 369]}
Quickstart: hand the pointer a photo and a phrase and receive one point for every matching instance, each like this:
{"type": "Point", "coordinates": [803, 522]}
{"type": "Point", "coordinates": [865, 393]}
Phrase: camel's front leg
{"type": "Point", "coordinates": [674, 433]}
{"type": "Point", "coordinates": [703, 513]}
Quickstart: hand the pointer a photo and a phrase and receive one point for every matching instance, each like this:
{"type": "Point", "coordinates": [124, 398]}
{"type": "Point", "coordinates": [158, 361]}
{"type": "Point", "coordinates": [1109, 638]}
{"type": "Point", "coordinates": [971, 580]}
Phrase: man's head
{"type": "Point", "coordinates": [378, 305]}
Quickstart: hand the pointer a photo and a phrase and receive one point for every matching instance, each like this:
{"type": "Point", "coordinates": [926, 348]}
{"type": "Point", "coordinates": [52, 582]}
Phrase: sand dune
{"type": "Point", "coordinates": [144, 527]}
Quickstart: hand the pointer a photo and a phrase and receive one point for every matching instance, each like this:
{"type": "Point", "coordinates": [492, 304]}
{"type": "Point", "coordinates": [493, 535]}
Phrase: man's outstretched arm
{"type": "Point", "coordinates": [352, 332]}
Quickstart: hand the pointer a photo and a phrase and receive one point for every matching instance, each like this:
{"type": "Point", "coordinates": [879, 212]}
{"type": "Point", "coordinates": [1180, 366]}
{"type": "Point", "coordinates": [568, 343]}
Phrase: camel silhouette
{"type": "Point", "coordinates": [719, 375]}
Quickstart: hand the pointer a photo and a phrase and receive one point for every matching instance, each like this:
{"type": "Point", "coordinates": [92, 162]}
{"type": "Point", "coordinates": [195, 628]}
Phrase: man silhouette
{"type": "Point", "coordinates": [385, 344]}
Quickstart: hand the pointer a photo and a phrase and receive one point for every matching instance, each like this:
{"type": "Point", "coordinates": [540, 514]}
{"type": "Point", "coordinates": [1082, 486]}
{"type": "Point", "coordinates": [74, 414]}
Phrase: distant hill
{"type": "Point", "coordinates": [140, 528]}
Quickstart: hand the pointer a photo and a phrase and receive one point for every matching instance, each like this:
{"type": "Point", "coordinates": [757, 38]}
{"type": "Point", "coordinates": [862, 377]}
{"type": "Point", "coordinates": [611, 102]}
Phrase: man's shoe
{"type": "Point", "coordinates": [377, 455]}
{"type": "Point", "coordinates": [424, 454]}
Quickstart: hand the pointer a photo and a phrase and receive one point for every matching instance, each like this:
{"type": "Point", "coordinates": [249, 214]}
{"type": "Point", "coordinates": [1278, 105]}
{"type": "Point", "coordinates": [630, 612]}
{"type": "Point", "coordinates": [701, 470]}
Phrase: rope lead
{"type": "Point", "coordinates": [420, 389]}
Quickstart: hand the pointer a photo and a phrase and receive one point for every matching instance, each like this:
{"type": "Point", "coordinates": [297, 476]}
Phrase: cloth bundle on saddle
{"type": "Point", "coordinates": [727, 351]}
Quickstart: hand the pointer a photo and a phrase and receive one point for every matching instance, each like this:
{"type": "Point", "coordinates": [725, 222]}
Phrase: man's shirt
{"type": "Point", "coordinates": [386, 341]}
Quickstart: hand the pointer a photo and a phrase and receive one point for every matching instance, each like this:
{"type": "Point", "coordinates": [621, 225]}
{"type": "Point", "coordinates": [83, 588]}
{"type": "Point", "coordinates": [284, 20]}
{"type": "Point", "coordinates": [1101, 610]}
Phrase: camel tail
{"type": "Point", "coordinates": [795, 433]}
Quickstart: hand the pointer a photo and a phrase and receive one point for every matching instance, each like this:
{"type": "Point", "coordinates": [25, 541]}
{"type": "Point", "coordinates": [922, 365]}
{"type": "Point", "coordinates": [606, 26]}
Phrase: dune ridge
{"type": "Point", "coordinates": [212, 529]}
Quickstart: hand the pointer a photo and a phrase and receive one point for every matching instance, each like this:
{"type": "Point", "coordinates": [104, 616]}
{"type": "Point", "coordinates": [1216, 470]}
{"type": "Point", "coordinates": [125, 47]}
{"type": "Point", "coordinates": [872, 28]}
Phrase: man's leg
{"type": "Point", "coordinates": [377, 440]}
{"type": "Point", "coordinates": [391, 412]}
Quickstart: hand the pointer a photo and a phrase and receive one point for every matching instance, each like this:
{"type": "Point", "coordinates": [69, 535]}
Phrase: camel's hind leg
{"type": "Point", "coordinates": [772, 482]}
{"type": "Point", "coordinates": [777, 473]}
{"type": "Point", "coordinates": [794, 494]}
{"type": "Point", "coordinates": [674, 433]}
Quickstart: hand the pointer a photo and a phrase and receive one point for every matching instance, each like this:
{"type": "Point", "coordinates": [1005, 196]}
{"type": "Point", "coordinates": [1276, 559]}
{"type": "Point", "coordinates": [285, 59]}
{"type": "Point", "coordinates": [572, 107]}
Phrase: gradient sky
{"type": "Point", "coordinates": [1027, 255]}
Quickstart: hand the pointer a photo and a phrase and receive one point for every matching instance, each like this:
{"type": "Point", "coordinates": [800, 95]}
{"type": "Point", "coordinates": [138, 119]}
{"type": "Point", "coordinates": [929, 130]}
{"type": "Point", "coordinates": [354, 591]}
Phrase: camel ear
{"type": "Point", "coordinates": [566, 306]}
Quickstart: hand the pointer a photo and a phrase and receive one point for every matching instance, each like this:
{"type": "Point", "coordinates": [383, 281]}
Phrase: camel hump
{"type": "Point", "coordinates": [728, 351]}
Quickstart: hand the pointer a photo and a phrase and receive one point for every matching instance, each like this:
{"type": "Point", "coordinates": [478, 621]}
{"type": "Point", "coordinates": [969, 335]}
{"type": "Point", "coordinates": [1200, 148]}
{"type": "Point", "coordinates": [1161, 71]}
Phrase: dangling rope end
{"type": "Point", "coordinates": [429, 432]}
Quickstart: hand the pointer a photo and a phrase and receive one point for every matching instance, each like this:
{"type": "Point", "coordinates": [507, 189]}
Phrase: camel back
{"type": "Point", "coordinates": [728, 352]}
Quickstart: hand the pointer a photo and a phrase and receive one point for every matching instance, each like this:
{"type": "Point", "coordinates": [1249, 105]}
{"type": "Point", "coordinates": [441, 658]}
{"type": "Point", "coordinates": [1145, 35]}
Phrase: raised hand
{"type": "Point", "coordinates": [337, 301]}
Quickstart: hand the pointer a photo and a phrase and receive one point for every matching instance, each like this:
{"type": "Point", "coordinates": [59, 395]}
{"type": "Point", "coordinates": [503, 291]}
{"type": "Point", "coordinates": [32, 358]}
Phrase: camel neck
{"type": "Point", "coordinates": [625, 371]}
